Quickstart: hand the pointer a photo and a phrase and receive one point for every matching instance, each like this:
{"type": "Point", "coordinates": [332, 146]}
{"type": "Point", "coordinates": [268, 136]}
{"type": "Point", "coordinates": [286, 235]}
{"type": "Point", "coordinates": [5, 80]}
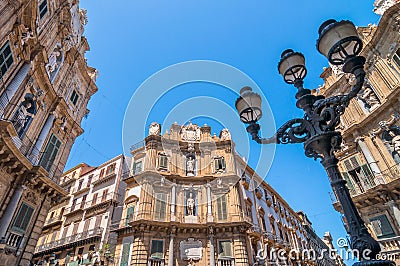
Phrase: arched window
{"type": "Point", "coordinates": [24, 114]}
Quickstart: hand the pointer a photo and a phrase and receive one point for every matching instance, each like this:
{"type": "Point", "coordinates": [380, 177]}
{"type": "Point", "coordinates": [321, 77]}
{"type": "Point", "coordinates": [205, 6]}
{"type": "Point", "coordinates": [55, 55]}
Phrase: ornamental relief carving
{"type": "Point", "coordinates": [190, 132]}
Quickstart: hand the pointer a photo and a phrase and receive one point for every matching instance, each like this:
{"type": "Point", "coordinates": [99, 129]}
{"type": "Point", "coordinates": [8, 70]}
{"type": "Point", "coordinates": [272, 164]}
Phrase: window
{"type": "Point", "coordinates": [98, 221]}
{"type": "Point", "coordinates": [74, 97]}
{"type": "Point", "coordinates": [75, 228]}
{"type": "Point", "coordinates": [23, 218]}
{"type": "Point", "coordinates": [382, 226]}
{"type": "Point", "coordinates": [110, 169]}
{"type": "Point", "coordinates": [101, 173]}
{"type": "Point", "coordinates": [160, 206]}
{"type": "Point", "coordinates": [104, 195]}
{"type": "Point", "coordinates": [86, 225]}
{"type": "Point", "coordinates": [221, 208]}
{"type": "Point", "coordinates": [42, 8]}
{"type": "Point", "coordinates": [83, 201]}
{"type": "Point", "coordinates": [163, 162]}
{"type": "Point", "coordinates": [263, 222]}
{"type": "Point", "coordinates": [6, 59]}
{"type": "Point", "coordinates": [157, 249]}
{"type": "Point", "coordinates": [137, 167]}
{"type": "Point", "coordinates": [94, 199]}
{"type": "Point", "coordinates": [225, 248]}
{"type": "Point", "coordinates": [357, 175]}
{"type": "Point", "coordinates": [219, 164]}
{"type": "Point", "coordinates": [50, 153]}
{"type": "Point", "coordinates": [73, 205]}
{"type": "Point", "coordinates": [130, 212]}
{"type": "Point", "coordinates": [125, 254]}
{"type": "Point", "coordinates": [396, 57]}
{"type": "Point", "coordinates": [89, 181]}
{"type": "Point", "coordinates": [65, 231]}
{"type": "Point", "coordinates": [80, 185]}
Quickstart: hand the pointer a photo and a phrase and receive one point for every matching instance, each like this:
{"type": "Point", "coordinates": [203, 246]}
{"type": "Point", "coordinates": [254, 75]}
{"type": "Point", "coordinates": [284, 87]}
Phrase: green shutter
{"type": "Point", "coordinates": [382, 226]}
{"type": "Point", "coordinates": [368, 176]}
{"type": "Point", "coordinates": [50, 153]}
{"type": "Point", "coordinates": [157, 249]}
{"type": "Point", "coordinates": [225, 248]}
{"type": "Point", "coordinates": [125, 254]}
{"type": "Point", "coordinates": [349, 184]}
{"type": "Point", "coordinates": [160, 206]}
{"type": "Point", "coordinates": [221, 208]}
{"type": "Point", "coordinates": [129, 215]}
{"type": "Point", "coordinates": [23, 218]}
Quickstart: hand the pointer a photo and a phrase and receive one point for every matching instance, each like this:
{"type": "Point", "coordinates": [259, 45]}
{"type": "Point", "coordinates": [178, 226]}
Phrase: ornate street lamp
{"type": "Point", "coordinates": [340, 43]}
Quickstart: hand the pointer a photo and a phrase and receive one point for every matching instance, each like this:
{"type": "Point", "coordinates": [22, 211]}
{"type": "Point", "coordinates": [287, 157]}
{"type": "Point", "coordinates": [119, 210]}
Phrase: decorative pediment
{"type": "Point", "coordinates": [190, 132]}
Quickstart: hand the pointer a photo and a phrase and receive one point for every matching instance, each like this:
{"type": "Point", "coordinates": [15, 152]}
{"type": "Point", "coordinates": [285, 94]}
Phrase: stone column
{"type": "Point", "coordinates": [209, 204]}
{"type": "Point", "coordinates": [10, 210]}
{"type": "Point", "coordinates": [173, 202]}
{"type": "Point", "coordinates": [395, 209]}
{"type": "Point", "coordinates": [370, 160]}
{"type": "Point", "coordinates": [171, 250]}
{"type": "Point", "coordinates": [212, 251]}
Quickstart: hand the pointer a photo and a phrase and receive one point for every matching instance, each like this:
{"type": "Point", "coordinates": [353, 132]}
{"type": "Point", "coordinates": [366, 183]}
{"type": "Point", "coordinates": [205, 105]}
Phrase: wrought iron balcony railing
{"type": "Point", "coordinates": [96, 232]}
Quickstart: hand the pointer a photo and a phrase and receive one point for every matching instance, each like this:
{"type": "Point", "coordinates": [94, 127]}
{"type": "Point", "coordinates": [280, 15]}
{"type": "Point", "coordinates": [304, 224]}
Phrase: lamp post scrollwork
{"type": "Point", "coordinates": [340, 43]}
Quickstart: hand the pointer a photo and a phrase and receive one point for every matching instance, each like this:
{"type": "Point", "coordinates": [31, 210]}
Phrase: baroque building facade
{"type": "Point", "coordinates": [77, 230]}
{"type": "Point", "coordinates": [45, 85]}
{"type": "Point", "coordinates": [370, 153]}
{"type": "Point", "coordinates": [192, 200]}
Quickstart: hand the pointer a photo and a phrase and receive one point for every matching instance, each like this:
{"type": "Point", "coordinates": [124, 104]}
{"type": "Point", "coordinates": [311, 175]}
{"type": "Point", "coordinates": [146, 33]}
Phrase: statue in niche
{"type": "Point", "coordinates": [24, 115]}
{"type": "Point", "coordinates": [190, 165]}
{"type": "Point", "coordinates": [369, 98]}
{"type": "Point", "coordinates": [391, 138]}
{"type": "Point", "coordinates": [55, 61]}
{"type": "Point", "coordinates": [190, 205]}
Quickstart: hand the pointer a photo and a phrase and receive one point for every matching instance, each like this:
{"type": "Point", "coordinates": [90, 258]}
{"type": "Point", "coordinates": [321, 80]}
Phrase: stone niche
{"type": "Point", "coordinates": [191, 249]}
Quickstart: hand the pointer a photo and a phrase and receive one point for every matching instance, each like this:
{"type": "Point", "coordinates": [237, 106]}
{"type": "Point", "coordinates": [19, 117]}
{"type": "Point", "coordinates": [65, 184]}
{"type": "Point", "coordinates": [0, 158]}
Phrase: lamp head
{"type": "Point", "coordinates": [248, 106]}
{"type": "Point", "coordinates": [292, 66]}
{"type": "Point", "coordinates": [338, 41]}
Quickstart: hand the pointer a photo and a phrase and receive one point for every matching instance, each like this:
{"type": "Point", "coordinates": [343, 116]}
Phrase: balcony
{"type": "Point", "coordinates": [226, 262]}
{"type": "Point", "coordinates": [107, 177]}
{"type": "Point", "coordinates": [81, 188]}
{"type": "Point", "coordinates": [392, 173]}
{"type": "Point", "coordinates": [67, 241]}
{"type": "Point", "coordinates": [13, 241]}
{"type": "Point", "coordinates": [101, 202]}
{"type": "Point", "coordinates": [391, 245]}
{"type": "Point", "coordinates": [155, 262]}
{"type": "Point", "coordinates": [74, 209]}
{"type": "Point", "coordinates": [53, 220]}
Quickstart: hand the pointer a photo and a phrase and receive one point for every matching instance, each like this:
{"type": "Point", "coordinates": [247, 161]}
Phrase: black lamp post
{"type": "Point", "coordinates": [340, 43]}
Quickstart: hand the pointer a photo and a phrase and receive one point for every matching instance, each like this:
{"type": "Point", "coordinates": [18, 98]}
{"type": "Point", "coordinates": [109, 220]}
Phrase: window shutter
{"type": "Point", "coordinates": [23, 218]}
{"type": "Point", "coordinates": [349, 184]}
{"type": "Point", "coordinates": [369, 177]}
{"type": "Point", "coordinates": [382, 226]}
{"type": "Point", "coordinates": [223, 163]}
{"type": "Point", "coordinates": [225, 248]}
{"type": "Point", "coordinates": [50, 152]}
{"type": "Point", "coordinates": [125, 254]}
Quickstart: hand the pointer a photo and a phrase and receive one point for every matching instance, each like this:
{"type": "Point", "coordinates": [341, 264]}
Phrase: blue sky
{"type": "Point", "coordinates": [132, 40]}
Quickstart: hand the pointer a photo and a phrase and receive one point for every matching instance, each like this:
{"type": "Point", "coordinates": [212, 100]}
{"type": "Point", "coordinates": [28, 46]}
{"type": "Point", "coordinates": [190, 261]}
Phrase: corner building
{"type": "Point", "coordinates": [370, 152]}
{"type": "Point", "coordinates": [192, 200]}
{"type": "Point", "coordinates": [45, 86]}
{"type": "Point", "coordinates": [77, 230]}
